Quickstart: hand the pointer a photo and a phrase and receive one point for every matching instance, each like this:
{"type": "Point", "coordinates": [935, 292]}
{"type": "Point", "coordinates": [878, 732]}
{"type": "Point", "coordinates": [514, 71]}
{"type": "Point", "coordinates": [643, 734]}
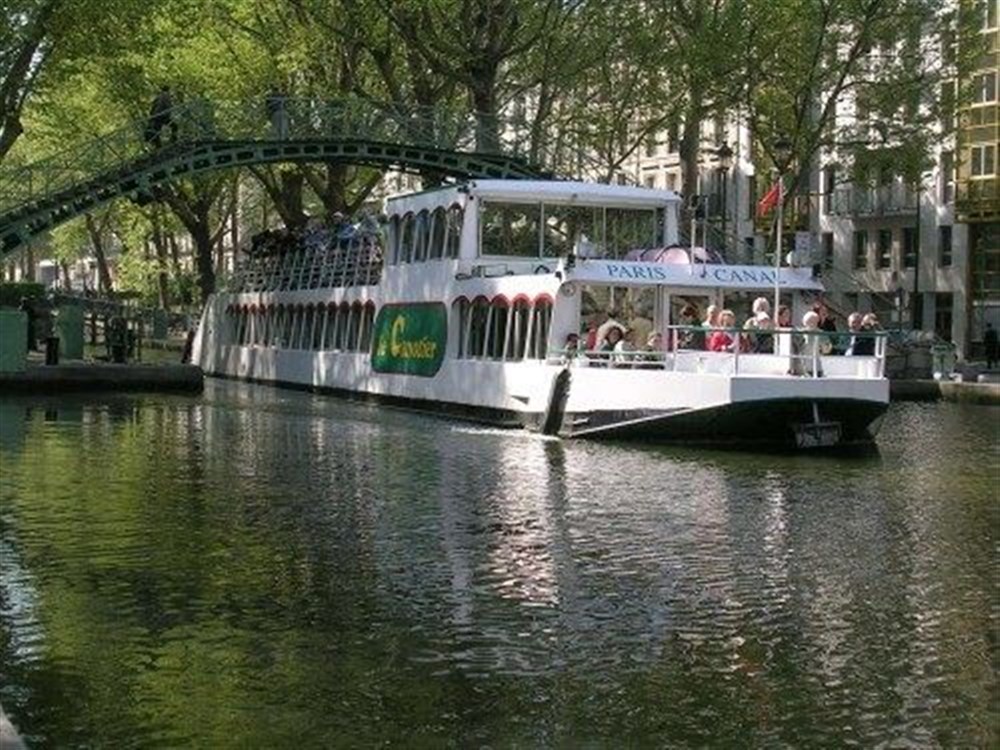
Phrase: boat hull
{"type": "Point", "coordinates": [791, 422]}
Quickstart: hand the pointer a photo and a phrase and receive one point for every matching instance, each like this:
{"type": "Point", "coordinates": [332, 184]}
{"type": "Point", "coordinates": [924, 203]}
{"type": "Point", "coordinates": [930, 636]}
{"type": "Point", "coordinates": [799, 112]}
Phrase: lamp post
{"type": "Point", "coordinates": [782, 155]}
{"type": "Point", "coordinates": [725, 156]}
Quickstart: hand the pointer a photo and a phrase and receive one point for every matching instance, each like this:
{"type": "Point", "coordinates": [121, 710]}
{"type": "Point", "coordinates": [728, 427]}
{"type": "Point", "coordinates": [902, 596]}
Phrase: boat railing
{"type": "Point", "coordinates": [324, 263]}
{"type": "Point", "coordinates": [793, 352]}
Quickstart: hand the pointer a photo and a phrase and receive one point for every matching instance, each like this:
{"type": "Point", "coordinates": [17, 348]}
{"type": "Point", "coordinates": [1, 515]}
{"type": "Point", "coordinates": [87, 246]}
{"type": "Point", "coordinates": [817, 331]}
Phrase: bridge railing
{"type": "Point", "coordinates": [276, 120]}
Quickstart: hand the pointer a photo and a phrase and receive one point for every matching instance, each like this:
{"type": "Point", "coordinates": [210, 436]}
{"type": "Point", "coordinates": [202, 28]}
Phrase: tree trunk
{"type": "Point", "coordinates": [162, 262]}
{"type": "Point", "coordinates": [483, 94]}
{"type": "Point", "coordinates": [688, 151]}
{"type": "Point", "coordinates": [204, 265]}
{"type": "Point", "coordinates": [97, 243]}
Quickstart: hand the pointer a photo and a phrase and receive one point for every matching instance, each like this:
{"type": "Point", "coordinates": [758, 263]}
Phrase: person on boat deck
{"type": "Point", "coordinates": [864, 346]}
{"type": "Point", "coordinates": [622, 354]}
{"type": "Point", "coordinates": [764, 343]}
{"type": "Point", "coordinates": [854, 328]}
{"type": "Point", "coordinates": [723, 340]}
{"type": "Point", "coordinates": [811, 322]}
{"type": "Point", "coordinates": [572, 346]}
{"type": "Point", "coordinates": [761, 305]}
{"type": "Point", "coordinates": [610, 321]}
{"type": "Point", "coordinates": [711, 317]}
{"type": "Point", "coordinates": [689, 339]}
{"type": "Point", "coordinates": [610, 341]}
{"type": "Point", "coordinates": [826, 323]}
{"type": "Point", "coordinates": [596, 321]}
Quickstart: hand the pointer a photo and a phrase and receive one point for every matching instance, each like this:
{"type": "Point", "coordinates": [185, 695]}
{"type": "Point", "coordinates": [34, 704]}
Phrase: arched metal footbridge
{"type": "Point", "coordinates": [201, 136]}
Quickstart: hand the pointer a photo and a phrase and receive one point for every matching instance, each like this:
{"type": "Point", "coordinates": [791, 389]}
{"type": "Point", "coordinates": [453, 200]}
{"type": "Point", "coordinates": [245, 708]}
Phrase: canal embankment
{"type": "Point", "coordinates": [944, 390]}
{"type": "Point", "coordinates": [103, 376]}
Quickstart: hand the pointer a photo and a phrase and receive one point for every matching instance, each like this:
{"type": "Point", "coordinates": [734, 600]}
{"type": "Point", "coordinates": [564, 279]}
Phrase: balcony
{"type": "Point", "coordinates": [978, 200]}
{"type": "Point", "coordinates": [866, 202]}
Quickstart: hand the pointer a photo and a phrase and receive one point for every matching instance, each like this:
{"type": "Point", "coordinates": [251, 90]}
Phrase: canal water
{"type": "Point", "coordinates": [259, 567]}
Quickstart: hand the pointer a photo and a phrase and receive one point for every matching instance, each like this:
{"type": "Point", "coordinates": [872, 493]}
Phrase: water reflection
{"type": "Point", "coordinates": [261, 566]}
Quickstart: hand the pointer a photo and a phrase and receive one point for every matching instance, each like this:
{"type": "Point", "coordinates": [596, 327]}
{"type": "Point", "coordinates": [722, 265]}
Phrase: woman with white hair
{"type": "Point", "coordinates": [761, 305]}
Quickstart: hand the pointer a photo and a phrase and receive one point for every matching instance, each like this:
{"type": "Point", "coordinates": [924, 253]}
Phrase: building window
{"type": "Point", "coordinates": [861, 249]}
{"type": "Point", "coordinates": [829, 181]}
{"type": "Point", "coordinates": [944, 245]}
{"type": "Point", "coordinates": [752, 196]}
{"type": "Point", "coordinates": [885, 248]}
{"type": "Point", "coordinates": [672, 181]}
{"type": "Point", "coordinates": [909, 247]}
{"type": "Point", "coordinates": [650, 181]}
{"type": "Point", "coordinates": [983, 160]}
{"type": "Point", "coordinates": [673, 137]}
{"type": "Point", "coordinates": [984, 88]}
{"type": "Point", "coordinates": [651, 144]}
{"type": "Point", "coordinates": [989, 10]}
{"type": "Point", "coordinates": [828, 249]}
{"type": "Point", "coordinates": [947, 177]}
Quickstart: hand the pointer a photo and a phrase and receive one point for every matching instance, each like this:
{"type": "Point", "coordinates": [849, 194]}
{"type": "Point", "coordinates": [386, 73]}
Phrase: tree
{"type": "Point", "coordinates": [876, 61]}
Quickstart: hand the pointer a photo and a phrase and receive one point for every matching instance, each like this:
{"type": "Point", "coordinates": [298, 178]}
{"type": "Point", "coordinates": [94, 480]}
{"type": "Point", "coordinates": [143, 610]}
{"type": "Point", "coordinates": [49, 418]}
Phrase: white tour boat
{"type": "Point", "coordinates": [467, 298]}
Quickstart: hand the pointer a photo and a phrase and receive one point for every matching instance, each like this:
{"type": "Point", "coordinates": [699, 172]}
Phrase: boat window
{"type": "Point", "coordinates": [436, 248]}
{"type": "Point", "coordinates": [392, 239]}
{"type": "Point", "coordinates": [421, 232]}
{"type": "Point", "coordinates": [497, 328]}
{"type": "Point", "coordinates": [453, 236]}
{"type": "Point", "coordinates": [519, 318]}
{"type": "Point", "coordinates": [630, 229]}
{"type": "Point", "coordinates": [330, 328]}
{"type": "Point", "coordinates": [541, 321]}
{"type": "Point", "coordinates": [460, 323]}
{"type": "Point", "coordinates": [510, 229]}
{"type": "Point", "coordinates": [478, 322]}
{"type": "Point", "coordinates": [367, 324]}
{"type": "Point", "coordinates": [340, 338]}
{"type": "Point", "coordinates": [354, 326]}
{"type": "Point", "coordinates": [406, 239]}
{"type": "Point", "coordinates": [319, 317]}
{"type": "Point", "coordinates": [573, 228]}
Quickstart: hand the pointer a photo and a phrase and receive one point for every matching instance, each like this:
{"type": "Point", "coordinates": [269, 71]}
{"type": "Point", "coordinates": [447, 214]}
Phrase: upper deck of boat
{"type": "Point", "coordinates": [530, 191]}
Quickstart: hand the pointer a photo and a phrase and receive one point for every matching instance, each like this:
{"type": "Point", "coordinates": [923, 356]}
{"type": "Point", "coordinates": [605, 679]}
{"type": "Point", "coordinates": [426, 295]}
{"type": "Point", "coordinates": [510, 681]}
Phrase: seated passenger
{"type": "Point", "coordinates": [723, 340]}
{"type": "Point", "coordinates": [689, 339]}
{"type": "Point", "coordinates": [653, 350]}
{"type": "Point", "coordinates": [622, 355]}
{"type": "Point", "coordinates": [865, 345]}
{"type": "Point", "coordinates": [711, 317]}
{"type": "Point", "coordinates": [811, 322]}
{"type": "Point", "coordinates": [572, 346]}
{"type": "Point", "coordinates": [765, 339]}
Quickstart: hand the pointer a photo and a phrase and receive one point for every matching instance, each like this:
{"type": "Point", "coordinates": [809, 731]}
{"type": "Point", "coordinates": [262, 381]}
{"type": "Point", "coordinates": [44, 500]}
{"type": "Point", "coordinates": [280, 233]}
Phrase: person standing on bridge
{"type": "Point", "coordinates": [160, 117]}
{"type": "Point", "coordinates": [277, 110]}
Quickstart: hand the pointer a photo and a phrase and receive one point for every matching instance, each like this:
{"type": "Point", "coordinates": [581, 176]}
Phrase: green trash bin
{"type": "Point", "coordinates": [159, 324]}
{"type": "Point", "coordinates": [13, 340]}
{"type": "Point", "coordinates": [69, 329]}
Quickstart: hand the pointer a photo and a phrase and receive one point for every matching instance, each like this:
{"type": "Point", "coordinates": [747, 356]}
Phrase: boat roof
{"type": "Point", "coordinates": [535, 191]}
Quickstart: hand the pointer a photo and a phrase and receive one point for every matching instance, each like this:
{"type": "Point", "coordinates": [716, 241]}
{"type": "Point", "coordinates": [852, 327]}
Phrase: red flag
{"type": "Point", "coordinates": [770, 199]}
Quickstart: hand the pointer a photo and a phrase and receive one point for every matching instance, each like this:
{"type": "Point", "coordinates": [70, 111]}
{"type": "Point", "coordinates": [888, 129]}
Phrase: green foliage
{"type": "Point", "coordinates": [11, 293]}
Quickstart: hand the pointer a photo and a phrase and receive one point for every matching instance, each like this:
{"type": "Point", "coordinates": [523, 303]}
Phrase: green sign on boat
{"type": "Point", "coordinates": [410, 338]}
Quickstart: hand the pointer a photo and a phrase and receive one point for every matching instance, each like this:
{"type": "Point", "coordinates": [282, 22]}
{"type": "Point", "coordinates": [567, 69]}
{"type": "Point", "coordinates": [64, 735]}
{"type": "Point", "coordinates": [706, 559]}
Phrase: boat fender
{"type": "Point", "coordinates": [557, 402]}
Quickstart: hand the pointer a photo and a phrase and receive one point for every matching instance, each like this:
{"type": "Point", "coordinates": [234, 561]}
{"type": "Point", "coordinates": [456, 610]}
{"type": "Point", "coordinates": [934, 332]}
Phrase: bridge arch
{"type": "Point", "coordinates": [39, 197]}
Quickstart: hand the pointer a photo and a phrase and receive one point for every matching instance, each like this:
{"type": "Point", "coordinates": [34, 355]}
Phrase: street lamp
{"type": "Point", "coordinates": [725, 156]}
{"type": "Point", "coordinates": [782, 156]}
